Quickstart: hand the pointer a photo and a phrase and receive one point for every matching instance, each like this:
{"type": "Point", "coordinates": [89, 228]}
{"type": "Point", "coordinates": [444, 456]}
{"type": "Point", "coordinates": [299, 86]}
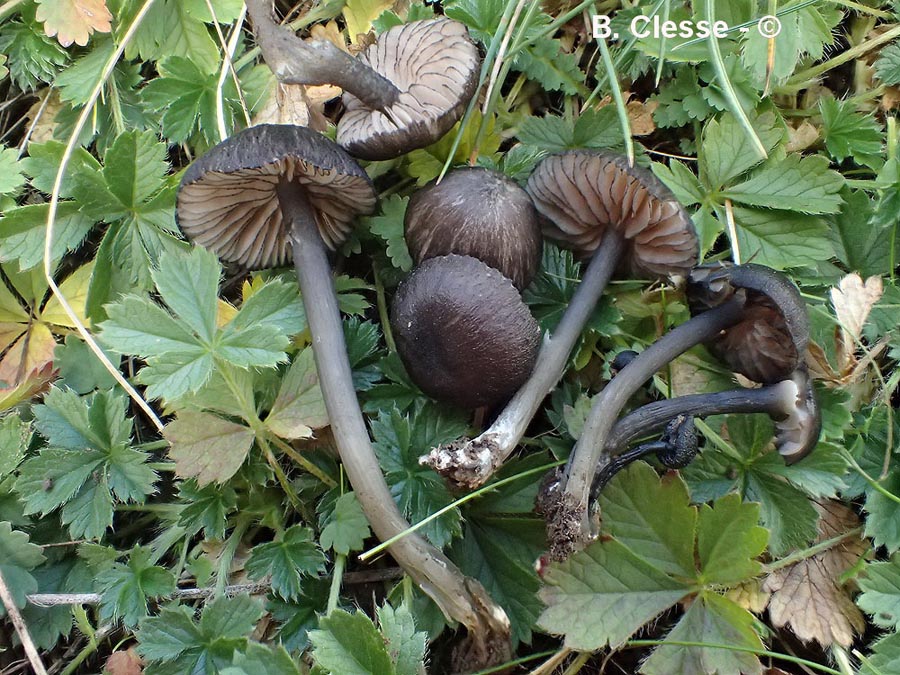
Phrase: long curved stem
{"type": "Point", "coordinates": [572, 513]}
{"type": "Point", "coordinates": [773, 399]}
{"type": "Point", "coordinates": [295, 61]}
{"type": "Point", "coordinates": [459, 597]}
{"type": "Point", "coordinates": [472, 463]}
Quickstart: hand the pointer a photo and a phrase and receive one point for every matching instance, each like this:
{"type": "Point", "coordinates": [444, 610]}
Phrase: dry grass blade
{"type": "Point", "coordinates": [21, 629]}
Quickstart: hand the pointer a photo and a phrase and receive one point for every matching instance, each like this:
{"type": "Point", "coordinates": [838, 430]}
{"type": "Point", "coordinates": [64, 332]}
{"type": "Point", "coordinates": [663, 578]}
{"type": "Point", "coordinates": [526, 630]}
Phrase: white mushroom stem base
{"type": "Point", "coordinates": [471, 463]}
{"type": "Point", "coordinates": [565, 502]}
{"type": "Point", "coordinates": [459, 597]}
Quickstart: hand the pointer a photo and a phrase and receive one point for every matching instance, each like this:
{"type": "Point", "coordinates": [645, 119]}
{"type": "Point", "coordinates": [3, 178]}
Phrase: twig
{"type": "Point", "coordinates": [55, 599]}
{"type": "Point", "coordinates": [21, 629]}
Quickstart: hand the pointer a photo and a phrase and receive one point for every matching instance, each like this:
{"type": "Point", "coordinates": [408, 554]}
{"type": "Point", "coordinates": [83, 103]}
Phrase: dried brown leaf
{"type": "Point", "coordinates": [74, 20]}
{"type": "Point", "coordinates": [207, 447]}
{"type": "Point", "coordinates": [124, 663]}
{"type": "Point", "coordinates": [749, 595]}
{"type": "Point", "coordinates": [801, 137]}
{"type": "Point", "coordinates": [853, 300]}
{"type": "Point", "coordinates": [808, 596]}
{"type": "Point", "coordinates": [42, 114]}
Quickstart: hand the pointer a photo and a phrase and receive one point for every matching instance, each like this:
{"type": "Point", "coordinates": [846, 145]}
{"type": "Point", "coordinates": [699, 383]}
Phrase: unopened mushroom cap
{"type": "Point", "coordinates": [480, 213]}
{"type": "Point", "coordinates": [585, 194]}
{"type": "Point", "coordinates": [463, 332]}
{"type": "Point", "coordinates": [435, 66]}
{"type": "Point", "coordinates": [227, 199]}
{"type": "Point", "coordinates": [798, 433]}
{"type": "Point", "coordinates": [770, 340]}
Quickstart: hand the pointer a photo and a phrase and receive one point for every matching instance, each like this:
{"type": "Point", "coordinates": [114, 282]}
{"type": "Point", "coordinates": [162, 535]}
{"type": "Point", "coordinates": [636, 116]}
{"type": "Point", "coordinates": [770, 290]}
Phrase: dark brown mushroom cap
{"type": "Point", "coordinates": [770, 341]}
{"type": "Point", "coordinates": [480, 213]}
{"type": "Point", "coordinates": [227, 199]}
{"type": "Point", "coordinates": [435, 66]}
{"type": "Point", "coordinates": [583, 194]}
{"type": "Point", "coordinates": [797, 434]}
{"type": "Point", "coordinates": [463, 332]}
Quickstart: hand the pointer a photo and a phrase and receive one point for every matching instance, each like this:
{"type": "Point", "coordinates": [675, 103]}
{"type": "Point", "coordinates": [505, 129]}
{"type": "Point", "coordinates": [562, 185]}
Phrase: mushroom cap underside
{"type": "Point", "coordinates": [479, 213]}
{"type": "Point", "coordinates": [584, 195]}
{"type": "Point", "coordinates": [434, 64]}
{"type": "Point", "coordinates": [798, 433]}
{"type": "Point", "coordinates": [770, 340]}
{"type": "Point", "coordinates": [463, 332]}
{"type": "Point", "coordinates": [227, 199]}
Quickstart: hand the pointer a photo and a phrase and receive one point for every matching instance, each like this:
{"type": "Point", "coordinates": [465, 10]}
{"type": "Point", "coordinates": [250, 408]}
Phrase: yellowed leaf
{"type": "Point", "coordinates": [74, 289]}
{"type": "Point", "coordinates": [749, 595]}
{"type": "Point", "coordinates": [359, 15]}
{"type": "Point", "coordinates": [74, 20]}
{"type": "Point", "coordinates": [853, 300]}
{"type": "Point", "coordinates": [30, 353]}
{"type": "Point", "coordinates": [808, 596]}
{"type": "Point", "coordinates": [207, 447]}
{"type": "Point", "coordinates": [801, 137]}
{"type": "Point", "coordinates": [225, 312]}
{"type": "Point", "coordinates": [42, 114]}
{"type": "Point", "coordinates": [332, 33]}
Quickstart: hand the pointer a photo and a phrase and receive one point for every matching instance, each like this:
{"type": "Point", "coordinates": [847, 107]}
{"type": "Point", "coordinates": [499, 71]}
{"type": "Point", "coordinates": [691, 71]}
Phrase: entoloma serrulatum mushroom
{"type": "Point", "coordinates": [463, 332]}
{"type": "Point", "coordinates": [623, 218]}
{"type": "Point", "coordinates": [790, 403]}
{"type": "Point", "coordinates": [401, 93]}
{"type": "Point", "coordinates": [274, 190]}
{"type": "Point", "coordinates": [477, 212]}
{"type": "Point", "coordinates": [750, 307]}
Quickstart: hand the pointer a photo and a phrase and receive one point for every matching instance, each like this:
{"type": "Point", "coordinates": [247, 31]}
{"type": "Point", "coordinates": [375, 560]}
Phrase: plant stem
{"type": "Point", "coordinates": [310, 468]}
{"type": "Point", "coordinates": [798, 556]}
{"type": "Point", "coordinates": [383, 316]}
{"type": "Point", "coordinates": [842, 58]}
{"type": "Point", "coordinates": [458, 597]}
{"type": "Point", "coordinates": [21, 629]}
{"type": "Point", "coordinates": [227, 555]}
{"type": "Point", "coordinates": [337, 575]}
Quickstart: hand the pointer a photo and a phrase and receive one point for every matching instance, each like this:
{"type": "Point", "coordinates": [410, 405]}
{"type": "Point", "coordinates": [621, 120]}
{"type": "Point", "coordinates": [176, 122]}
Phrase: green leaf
{"type": "Point", "coordinates": [11, 176]}
{"type": "Point", "coordinates": [880, 597]}
{"type": "Point", "coordinates": [32, 56]}
{"type": "Point", "coordinates": [858, 242]}
{"type": "Point", "coordinates": [389, 227]}
{"type": "Point", "coordinates": [24, 231]}
{"type": "Point", "coordinates": [680, 100]}
{"type": "Point", "coordinates": [350, 644]}
{"type": "Point", "coordinates": [207, 507]}
{"type": "Point", "coordinates": [887, 65]}
{"type": "Point", "coordinates": [781, 239]}
{"type": "Point", "coordinates": [727, 152]}
{"type": "Point", "coordinates": [729, 540]}
{"type": "Point", "coordinates": [287, 560]}
{"type": "Point", "coordinates": [499, 551]}
{"type": "Point", "coordinates": [796, 183]}
{"type": "Point", "coordinates": [17, 558]}
{"type": "Point", "coordinates": [654, 520]}
{"type": "Point", "coordinates": [127, 588]}
{"type": "Point", "coordinates": [710, 619]}
{"type": "Point", "coordinates": [262, 659]}
{"type": "Point", "coordinates": [850, 134]}
{"type": "Point", "coordinates": [188, 285]}
{"type": "Point", "coordinates": [174, 638]}
{"type": "Point", "coordinates": [885, 657]}
{"type": "Point", "coordinates": [399, 442]}
{"type": "Point", "coordinates": [591, 129]}
{"type": "Point", "coordinates": [603, 594]}
{"type": "Point", "coordinates": [347, 528]}
{"type": "Point", "coordinates": [207, 447]}
{"type": "Point", "coordinates": [79, 368]}
{"type": "Point", "coordinates": [15, 437]}
{"type": "Point", "coordinates": [299, 407]}
{"type": "Point", "coordinates": [546, 63]}
{"type": "Point", "coordinates": [680, 180]}
{"type": "Point", "coordinates": [765, 65]}
{"type": "Point", "coordinates": [404, 644]}
{"type": "Point", "coordinates": [882, 523]}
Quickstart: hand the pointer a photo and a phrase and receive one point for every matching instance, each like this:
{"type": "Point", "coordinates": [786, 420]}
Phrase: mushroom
{"type": "Point", "coordinates": [480, 213]}
{"type": "Point", "coordinates": [742, 305]}
{"type": "Point", "coordinates": [463, 332]}
{"type": "Point", "coordinates": [623, 217]}
{"type": "Point", "coordinates": [247, 199]}
{"type": "Point", "coordinates": [403, 92]}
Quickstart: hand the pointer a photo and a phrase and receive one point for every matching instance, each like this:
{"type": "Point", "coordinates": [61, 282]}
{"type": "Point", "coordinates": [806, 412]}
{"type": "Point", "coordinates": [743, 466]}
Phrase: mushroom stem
{"type": "Point", "coordinates": [296, 61]}
{"type": "Point", "coordinates": [569, 521]}
{"type": "Point", "coordinates": [774, 400]}
{"type": "Point", "coordinates": [471, 463]}
{"type": "Point", "coordinates": [460, 598]}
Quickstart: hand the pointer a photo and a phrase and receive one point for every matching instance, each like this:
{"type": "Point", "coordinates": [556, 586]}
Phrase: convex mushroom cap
{"type": "Point", "coordinates": [587, 195]}
{"type": "Point", "coordinates": [479, 213]}
{"type": "Point", "coordinates": [770, 340]}
{"type": "Point", "coordinates": [228, 202]}
{"type": "Point", "coordinates": [463, 332]}
{"type": "Point", "coordinates": [434, 65]}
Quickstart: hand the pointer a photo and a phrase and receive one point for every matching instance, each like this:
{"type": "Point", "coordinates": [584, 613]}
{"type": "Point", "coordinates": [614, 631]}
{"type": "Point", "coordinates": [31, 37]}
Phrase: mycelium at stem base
{"type": "Point", "coordinates": [459, 597]}
{"type": "Point", "coordinates": [565, 498]}
{"type": "Point", "coordinates": [469, 463]}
